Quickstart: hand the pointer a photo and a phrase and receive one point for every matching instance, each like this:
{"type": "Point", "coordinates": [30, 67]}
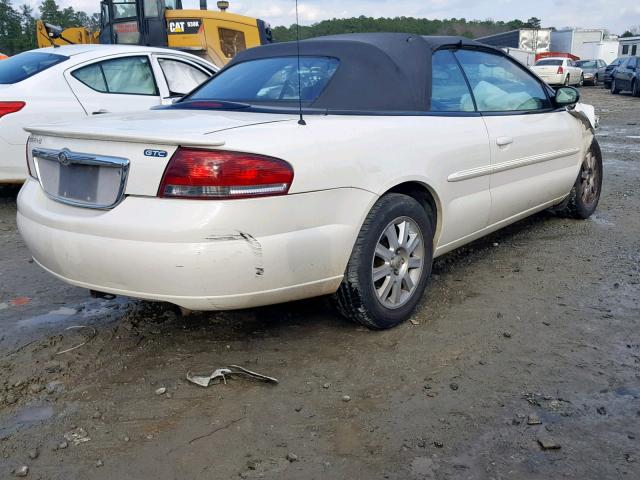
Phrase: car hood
{"type": "Point", "coordinates": [167, 127]}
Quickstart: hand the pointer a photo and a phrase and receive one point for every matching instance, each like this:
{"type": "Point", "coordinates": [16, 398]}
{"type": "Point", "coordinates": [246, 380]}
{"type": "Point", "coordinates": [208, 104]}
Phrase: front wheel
{"type": "Point", "coordinates": [390, 264]}
{"type": "Point", "coordinates": [614, 89]}
{"type": "Point", "coordinates": [635, 88]}
{"type": "Point", "coordinates": [581, 83]}
{"type": "Point", "coordinates": [595, 81]}
{"type": "Point", "coordinates": [585, 194]}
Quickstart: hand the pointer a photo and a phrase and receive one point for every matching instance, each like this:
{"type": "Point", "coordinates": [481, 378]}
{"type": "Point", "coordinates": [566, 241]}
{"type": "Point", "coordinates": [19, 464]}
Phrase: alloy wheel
{"type": "Point", "coordinates": [398, 262]}
{"type": "Point", "coordinates": [589, 179]}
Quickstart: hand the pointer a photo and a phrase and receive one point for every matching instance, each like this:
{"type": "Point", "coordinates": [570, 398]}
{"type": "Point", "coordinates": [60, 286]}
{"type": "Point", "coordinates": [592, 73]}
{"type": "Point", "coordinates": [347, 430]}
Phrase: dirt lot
{"type": "Point", "coordinates": [538, 324]}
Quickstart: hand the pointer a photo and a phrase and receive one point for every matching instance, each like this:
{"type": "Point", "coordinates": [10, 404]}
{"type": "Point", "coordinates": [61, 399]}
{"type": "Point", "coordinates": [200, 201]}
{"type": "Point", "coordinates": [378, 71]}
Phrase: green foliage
{"type": "Point", "coordinates": [533, 22]}
{"type": "Point", "coordinates": [419, 26]}
{"type": "Point", "coordinates": [17, 28]}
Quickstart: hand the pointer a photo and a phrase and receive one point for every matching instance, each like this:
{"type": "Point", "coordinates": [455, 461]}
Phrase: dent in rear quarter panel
{"type": "Point", "coordinates": [376, 153]}
{"type": "Point", "coordinates": [145, 172]}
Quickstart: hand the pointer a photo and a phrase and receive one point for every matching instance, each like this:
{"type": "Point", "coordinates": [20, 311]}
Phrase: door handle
{"type": "Point", "coordinates": [504, 141]}
{"type": "Point", "coordinates": [100, 112]}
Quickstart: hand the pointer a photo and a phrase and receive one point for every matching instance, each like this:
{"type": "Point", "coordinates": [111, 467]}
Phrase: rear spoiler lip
{"type": "Point", "coordinates": [124, 137]}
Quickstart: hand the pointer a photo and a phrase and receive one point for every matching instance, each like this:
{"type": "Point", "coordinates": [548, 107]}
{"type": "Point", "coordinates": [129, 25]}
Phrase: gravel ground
{"type": "Point", "coordinates": [522, 362]}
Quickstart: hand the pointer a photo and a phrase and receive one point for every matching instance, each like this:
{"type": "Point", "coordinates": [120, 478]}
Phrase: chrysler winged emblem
{"type": "Point", "coordinates": [63, 159]}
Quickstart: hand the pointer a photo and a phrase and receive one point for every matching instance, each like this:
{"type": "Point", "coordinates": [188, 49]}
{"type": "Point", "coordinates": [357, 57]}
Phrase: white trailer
{"type": "Point", "coordinates": [573, 41]}
{"type": "Point", "coordinates": [526, 57]}
{"type": "Point", "coordinates": [606, 50]}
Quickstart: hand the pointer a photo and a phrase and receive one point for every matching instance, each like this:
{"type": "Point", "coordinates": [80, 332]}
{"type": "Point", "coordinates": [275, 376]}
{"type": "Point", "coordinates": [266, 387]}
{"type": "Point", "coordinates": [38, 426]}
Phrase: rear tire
{"type": "Point", "coordinates": [390, 264]}
{"type": "Point", "coordinates": [567, 80]}
{"type": "Point", "coordinates": [585, 194]}
{"type": "Point", "coordinates": [635, 88]}
{"type": "Point", "coordinates": [581, 83]}
{"type": "Point", "coordinates": [614, 90]}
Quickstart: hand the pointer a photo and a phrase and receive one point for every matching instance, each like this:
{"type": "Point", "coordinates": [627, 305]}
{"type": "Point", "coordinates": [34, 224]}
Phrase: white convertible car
{"type": "Point", "coordinates": [409, 147]}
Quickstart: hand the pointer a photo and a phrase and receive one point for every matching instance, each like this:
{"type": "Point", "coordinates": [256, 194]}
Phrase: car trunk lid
{"type": "Point", "coordinates": [168, 127]}
{"type": "Point", "coordinates": [95, 164]}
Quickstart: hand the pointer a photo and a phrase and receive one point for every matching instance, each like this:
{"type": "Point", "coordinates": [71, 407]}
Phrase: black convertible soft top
{"type": "Point", "coordinates": [385, 72]}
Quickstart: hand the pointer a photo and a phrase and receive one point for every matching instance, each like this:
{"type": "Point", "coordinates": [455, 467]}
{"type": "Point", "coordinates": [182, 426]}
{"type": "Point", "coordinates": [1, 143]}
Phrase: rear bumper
{"type": "Point", "coordinates": [201, 255]}
{"type": "Point", "coordinates": [554, 79]}
{"type": "Point", "coordinates": [13, 165]}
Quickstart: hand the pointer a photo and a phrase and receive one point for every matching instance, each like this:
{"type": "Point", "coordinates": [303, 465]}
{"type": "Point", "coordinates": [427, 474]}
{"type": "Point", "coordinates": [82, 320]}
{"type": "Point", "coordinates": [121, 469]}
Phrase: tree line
{"type": "Point", "coordinates": [419, 26]}
{"type": "Point", "coordinates": [18, 24]}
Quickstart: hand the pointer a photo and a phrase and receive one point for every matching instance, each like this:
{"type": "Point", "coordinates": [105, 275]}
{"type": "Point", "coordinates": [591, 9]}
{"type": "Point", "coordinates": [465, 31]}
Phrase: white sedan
{"type": "Point", "coordinates": [559, 71]}
{"type": "Point", "coordinates": [407, 148]}
{"type": "Point", "coordinates": [76, 81]}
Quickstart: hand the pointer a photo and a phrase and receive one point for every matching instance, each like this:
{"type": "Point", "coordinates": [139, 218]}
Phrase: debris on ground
{"type": "Point", "coordinates": [161, 391]}
{"type": "Point", "coordinates": [346, 398]}
{"type": "Point", "coordinates": [77, 436]}
{"type": "Point", "coordinates": [221, 374]}
{"type": "Point", "coordinates": [533, 419]}
{"type": "Point", "coordinates": [548, 444]}
{"type": "Point", "coordinates": [19, 301]}
{"type": "Point", "coordinates": [23, 471]}
{"type": "Point", "coordinates": [292, 457]}
{"type": "Point", "coordinates": [87, 340]}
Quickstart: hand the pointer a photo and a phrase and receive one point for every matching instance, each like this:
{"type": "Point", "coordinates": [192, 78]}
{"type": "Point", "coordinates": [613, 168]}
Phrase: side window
{"type": "Point", "coordinates": [181, 77]}
{"type": "Point", "coordinates": [150, 8]}
{"type": "Point", "coordinates": [128, 75]}
{"type": "Point", "coordinates": [92, 77]}
{"type": "Point", "coordinates": [500, 85]}
{"type": "Point", "coordinates": [231, 42]}
{"type": "Point", "coordinates": [449, 90]}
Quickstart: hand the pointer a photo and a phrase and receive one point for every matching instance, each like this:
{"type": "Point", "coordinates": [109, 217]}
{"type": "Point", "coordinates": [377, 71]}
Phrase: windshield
{"type": "Point", "coordinates": [542, 63]}
{"type": "Point", "coordinates": [22, 66]}
{"type": "Point", "coordinates": [587, 64]}
{"type": "Point", "coordinates": [270, 80]}
{"type": "Point", "coordinates": [616, 62]}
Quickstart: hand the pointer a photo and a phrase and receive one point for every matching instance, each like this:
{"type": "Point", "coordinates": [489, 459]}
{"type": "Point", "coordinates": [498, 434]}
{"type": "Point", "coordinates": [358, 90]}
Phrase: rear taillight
{"type": "Point", "coordinates": [215, 174]}
{"type": "Point", "coordinates": [560, 70]}
{"type": "Point", "coordinates": [10, 107]}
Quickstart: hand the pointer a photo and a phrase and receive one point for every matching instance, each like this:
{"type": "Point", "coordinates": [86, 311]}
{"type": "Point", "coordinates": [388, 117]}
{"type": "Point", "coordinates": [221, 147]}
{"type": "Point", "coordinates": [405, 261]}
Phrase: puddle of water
{"type": "Point", "coordinates": [53, 316]}
{"type": "Point", "coordinates": [600, 221]}
{"type": "Point", "coordinates": [627, 392]}
{"type": "Point", "coordinates": [25, 417]}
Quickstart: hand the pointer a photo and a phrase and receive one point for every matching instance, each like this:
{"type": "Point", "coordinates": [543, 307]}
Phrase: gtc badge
{"type": "Point", "coordinates": [155, 153]}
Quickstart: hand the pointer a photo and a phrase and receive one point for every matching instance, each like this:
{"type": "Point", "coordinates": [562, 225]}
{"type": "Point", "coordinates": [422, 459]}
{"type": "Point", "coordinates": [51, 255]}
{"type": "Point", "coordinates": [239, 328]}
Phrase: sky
{"type": "Point", "coordinates": [609, 14]}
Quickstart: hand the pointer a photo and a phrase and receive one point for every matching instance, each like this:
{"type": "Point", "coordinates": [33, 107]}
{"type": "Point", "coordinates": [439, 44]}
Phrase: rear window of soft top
{"type": "Point", "coordinates": [24, 65]}
{"type": "Point", "coordinates": [270, 80]}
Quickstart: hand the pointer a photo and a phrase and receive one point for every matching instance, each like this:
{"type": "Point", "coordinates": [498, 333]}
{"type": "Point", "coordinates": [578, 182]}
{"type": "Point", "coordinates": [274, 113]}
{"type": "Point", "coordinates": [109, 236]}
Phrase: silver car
{"type": "Point", "coordinates": [593, 71]}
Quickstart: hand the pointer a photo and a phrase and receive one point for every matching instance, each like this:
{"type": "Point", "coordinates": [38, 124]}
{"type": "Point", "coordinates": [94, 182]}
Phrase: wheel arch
{"type": "Point", "coordinates": [426, 196]}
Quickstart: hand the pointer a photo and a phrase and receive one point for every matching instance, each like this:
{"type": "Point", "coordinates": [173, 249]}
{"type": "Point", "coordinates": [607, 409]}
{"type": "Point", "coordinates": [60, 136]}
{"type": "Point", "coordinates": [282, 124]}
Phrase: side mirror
{"type": "Point", "coordinates": [567, 97]}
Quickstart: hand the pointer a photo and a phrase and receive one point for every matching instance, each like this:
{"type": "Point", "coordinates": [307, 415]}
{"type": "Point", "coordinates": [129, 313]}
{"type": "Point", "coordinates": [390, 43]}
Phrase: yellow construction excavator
{"type": "Point", "coordinates": [215, 35]}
